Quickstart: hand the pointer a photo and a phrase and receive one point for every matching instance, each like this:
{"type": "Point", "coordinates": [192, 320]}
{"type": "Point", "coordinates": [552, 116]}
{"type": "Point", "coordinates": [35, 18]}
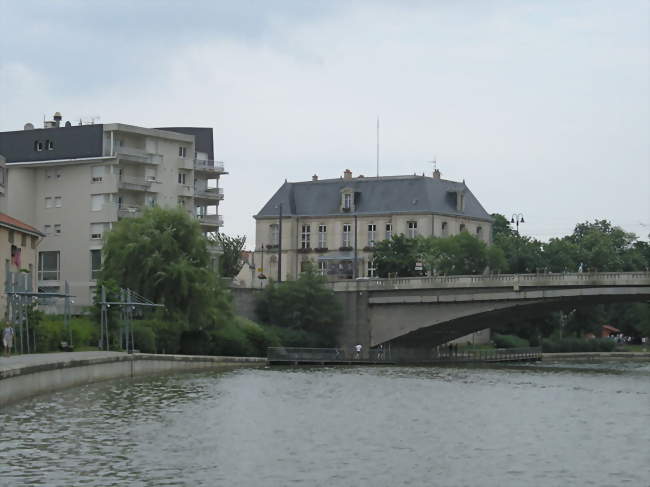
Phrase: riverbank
{"type": "Point", "coordinates": [24, 376]}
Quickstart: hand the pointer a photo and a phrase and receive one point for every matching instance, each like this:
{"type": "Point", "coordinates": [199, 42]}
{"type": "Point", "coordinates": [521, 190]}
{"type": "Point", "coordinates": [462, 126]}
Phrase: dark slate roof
{"type": "Point", "coordinates": [384, 195]}
{"type": "Point", "coordinates": [202, 137]}
{"type": "Point", "coordinates": [69, 143]}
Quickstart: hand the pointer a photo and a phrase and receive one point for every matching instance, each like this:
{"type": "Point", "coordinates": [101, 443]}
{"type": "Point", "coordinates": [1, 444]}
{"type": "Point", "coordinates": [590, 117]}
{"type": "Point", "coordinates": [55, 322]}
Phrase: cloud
{"type": "Point", "coordinates": [542, 108]}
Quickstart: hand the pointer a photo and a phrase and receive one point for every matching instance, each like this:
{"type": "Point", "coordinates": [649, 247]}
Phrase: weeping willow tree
{"type": "Point", "coordinates": [164, 256]}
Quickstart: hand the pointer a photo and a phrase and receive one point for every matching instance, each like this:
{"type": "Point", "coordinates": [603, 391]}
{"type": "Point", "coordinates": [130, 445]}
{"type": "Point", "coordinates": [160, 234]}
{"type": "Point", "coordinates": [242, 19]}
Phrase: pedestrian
{"type": "Point", "coordinates": [357, 351]}
{"type": "Point", "coordinates": [8, 339]}
{"type": "Point", "coordinates": [380, 352]}
{"type": "Point", "coordinates": [580, 268]}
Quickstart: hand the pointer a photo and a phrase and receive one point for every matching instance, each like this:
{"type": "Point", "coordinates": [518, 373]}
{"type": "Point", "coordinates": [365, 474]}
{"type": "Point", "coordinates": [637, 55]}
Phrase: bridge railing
{"type": "Point", "coordinates": [305, 354]}
{"type": "Point", "coordinates": [496, 280]}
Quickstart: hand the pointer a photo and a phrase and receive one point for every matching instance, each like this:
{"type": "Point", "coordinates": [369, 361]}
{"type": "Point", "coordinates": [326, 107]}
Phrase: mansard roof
{"type": "Point", "coordinates": [381, 196]}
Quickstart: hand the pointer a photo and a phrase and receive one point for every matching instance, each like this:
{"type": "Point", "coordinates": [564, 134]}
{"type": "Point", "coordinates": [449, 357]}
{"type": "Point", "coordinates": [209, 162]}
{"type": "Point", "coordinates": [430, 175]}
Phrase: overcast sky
{"type": "Point", "coordinates": [542, 107]}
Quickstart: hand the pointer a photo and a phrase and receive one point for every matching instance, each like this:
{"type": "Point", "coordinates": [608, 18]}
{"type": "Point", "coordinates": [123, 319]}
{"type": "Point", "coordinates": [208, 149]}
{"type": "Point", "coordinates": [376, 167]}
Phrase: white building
{"type": "Point", "coordinates": [74, 182]}
{"type": "Point", "coordinates": [334, 223]}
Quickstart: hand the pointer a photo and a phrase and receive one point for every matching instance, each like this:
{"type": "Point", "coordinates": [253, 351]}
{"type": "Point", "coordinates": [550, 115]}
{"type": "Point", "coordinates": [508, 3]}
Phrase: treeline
{"type": "Point", "coordinates": [595, 246]}
{"type": "Point", "coordinates": [164, 257]}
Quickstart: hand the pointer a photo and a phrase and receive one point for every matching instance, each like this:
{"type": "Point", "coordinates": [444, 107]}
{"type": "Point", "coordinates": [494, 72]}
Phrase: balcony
{"type": "Point", "coordinates": [207, 165]}
{"type": "Point", "coordinates": [129, 211]}
{"type": "Point", "coordinates": [185, 190]}
{"type": "Point", "coordinates": [138, 155]}
{"type": "Point", "coordinates": [210, 220]}
{"type": "Point", "coordinates": [135, 183]}
{"type": "Point", "coordinates": [209, 193]}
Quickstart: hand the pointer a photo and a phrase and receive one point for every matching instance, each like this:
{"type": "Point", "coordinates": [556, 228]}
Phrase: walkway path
{"type": "Point", "coordinates": [17, 362]}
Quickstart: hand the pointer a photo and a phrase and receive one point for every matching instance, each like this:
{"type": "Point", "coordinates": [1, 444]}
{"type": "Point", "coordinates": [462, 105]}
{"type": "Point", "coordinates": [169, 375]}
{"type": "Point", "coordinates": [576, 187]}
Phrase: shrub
{"type": "Point", "coordinates": [509, 341]}
{"type": "Point", "coordinates": [144, 337]}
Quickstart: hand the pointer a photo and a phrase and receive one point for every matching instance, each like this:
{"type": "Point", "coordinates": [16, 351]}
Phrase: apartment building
{"type": "Point", "coordinates": [334, 223]}
{"type": "Point", "coordinates": [73, 183]}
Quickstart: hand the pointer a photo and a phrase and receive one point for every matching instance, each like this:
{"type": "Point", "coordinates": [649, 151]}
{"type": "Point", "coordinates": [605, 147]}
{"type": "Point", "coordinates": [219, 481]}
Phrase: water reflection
{"type": "Point", "coordinates": [549, 423]}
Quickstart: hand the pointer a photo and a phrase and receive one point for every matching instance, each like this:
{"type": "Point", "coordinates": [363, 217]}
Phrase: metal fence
{"type": "Point", "coordinates": [296, 355]}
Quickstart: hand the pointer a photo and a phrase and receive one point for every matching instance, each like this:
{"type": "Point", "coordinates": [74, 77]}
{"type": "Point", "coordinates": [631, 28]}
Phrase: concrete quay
{"type": "Point", "coordinates": [23, 376]}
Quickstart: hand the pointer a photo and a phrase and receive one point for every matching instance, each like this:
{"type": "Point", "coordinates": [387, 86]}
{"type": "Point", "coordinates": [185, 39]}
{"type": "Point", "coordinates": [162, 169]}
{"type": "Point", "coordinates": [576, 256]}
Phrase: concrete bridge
{"type": "Point", "coordinates": [427, 311]}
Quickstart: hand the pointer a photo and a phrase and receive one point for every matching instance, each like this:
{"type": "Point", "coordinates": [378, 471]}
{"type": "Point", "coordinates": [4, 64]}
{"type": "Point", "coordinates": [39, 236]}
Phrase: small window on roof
{"type": "Point", "coordinates": [49, 144]}
{"type": "Point", "coordinates": [38, 145]}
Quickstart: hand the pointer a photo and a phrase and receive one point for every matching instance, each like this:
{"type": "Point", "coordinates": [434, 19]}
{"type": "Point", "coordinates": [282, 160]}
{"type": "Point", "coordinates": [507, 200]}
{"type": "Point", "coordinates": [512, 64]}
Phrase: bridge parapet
{"type": "Point", "coordinates": [514, 281]}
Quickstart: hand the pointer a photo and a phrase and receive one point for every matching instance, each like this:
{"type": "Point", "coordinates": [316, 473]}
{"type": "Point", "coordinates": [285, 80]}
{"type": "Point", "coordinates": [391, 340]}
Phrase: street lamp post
{"type": "Point", "coordinates": [280, 246]}
{"type": "Point", "coordinates": [517, 218]}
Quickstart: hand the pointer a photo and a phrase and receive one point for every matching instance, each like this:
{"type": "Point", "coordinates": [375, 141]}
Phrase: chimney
{"type": "Point", "coordinates": [436, 174]}
{"type": "Point", "coordinates": [314, 177]}
{"type": "Point", "coordinates": [347, 174]}
{"type": "Point", "coordinates": [57, 119]}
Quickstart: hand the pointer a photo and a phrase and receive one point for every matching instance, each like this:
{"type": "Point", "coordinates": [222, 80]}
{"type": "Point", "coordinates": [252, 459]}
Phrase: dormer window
{"type": "Point", "coordinates": [347, 199]}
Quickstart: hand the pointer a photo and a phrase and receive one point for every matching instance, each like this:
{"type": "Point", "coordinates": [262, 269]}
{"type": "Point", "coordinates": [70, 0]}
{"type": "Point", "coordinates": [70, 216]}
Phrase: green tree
{"type": "Point", "coordinates": [164, 256]}
{"type": "Point", "coordinates": [305, 305]}
{"type": "Point", "coordinates": [500, 226]}
{"type": "Point", "coordinates": [561, 255]}
{"type": "Point", "coordinates": [397, 256]}
{"type": "Point", "coordinates": [230, 262]}
{"type": "Point", "coordinates": [523, 254]}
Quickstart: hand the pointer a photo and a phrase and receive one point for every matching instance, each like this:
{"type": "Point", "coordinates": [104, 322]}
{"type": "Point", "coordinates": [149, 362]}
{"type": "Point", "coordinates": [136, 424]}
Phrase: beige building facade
{"type": "Point", "coordinates": [333, 224]}
{"type": "Point", "coordinates": [74, 183]}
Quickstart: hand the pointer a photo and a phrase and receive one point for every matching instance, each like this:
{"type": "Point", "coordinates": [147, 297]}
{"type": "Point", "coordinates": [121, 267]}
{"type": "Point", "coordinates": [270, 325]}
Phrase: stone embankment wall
{"type": "Point", "coordinates": [44, 373]}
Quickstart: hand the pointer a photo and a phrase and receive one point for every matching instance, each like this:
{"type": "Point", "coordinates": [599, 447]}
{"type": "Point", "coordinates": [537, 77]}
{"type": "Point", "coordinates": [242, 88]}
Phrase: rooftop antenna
{"type": "Point", "coordinates": [434, 162]}
{"type": "Point", "coordinates": [377, 146]}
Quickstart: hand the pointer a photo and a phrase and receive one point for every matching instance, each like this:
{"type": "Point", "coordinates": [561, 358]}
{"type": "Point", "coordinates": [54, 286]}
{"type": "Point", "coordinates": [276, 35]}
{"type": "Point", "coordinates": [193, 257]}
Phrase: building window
{"type": "Point", "coordinates": [49, 144]}
{"type": "Point", "coordinates": [347, 201]}
{"type": "Point", "coordinates": [305, 240]}
{"type": "Point", "coordinates": [34, 240]}
{"type": "Point", "coordinates": [11, 236]}
{"type": "Point", "coordinates": [412, 229]}
{"type": "Point", "coordinates": [322, 267]}
{"type": "Point", "coordinates": [445, 229]}
{"type": "Point", "coordinates": [38, 145]}
{"type": "Point", "coordinates": [97, 174]}
{"type": "Point", "coordinates": [304, 265]}
{"type": "Point", "coordinates": [322, 236]}
{"type": "Point", "coordinates": [97, 230]}
{"type": "Point", "coordinates": [57, 229]}
{"type": "Point", "coordinates": [58, 201]}
{"type": "Point", "coordinates": [389, 231]}
{"type": "Point", "coordinates": [274, 234]}
{"type": "Point", "coordinates": [151, 201]}
{"type": "Point", "coordinates": [48, 265]}
{"type": "Point", "coordinates": [372, 268]}
{"type": "Point", "coordinates": [47, 229]}
{"type": "Point", "coordinates": [479, 232]}
{"type": "Point", "coordinates": [181, 177]}
{"type": "Point", "coordinates": [96, 202]}
{"type": "Point", "coordinates": [347, 235]}
{"type": "Point", "coordinates": [23, 240]}
{"type": "Point", "coordinates": [48, 202]}
{"type": "Point", "coordinates": [182, 151]}
{"type": "Point", "coordinates": [462, 227]}
{"type": "Point", "coordinates": [95, 264]}
{"type": "Point", "coordinates": [372, 232]}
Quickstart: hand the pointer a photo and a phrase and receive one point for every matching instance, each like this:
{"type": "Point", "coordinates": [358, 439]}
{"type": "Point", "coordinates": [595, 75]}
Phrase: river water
{"type": "Point", "coordinates": [553, 424]}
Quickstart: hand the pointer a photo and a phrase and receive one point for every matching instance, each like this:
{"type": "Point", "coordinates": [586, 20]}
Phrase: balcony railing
{"type": "Point", "coordinates": [208, 165]}
{"type": "Point", "coordinates": [209, 193]}
{"type": "Point", "coordinates": [216, 220]}
{"type": "Point", "coordinates": [138, 155]}
{"type": "Point", "coordinates": [129, 211]}
{"type": "Point", "coordinates": [135, 183]}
